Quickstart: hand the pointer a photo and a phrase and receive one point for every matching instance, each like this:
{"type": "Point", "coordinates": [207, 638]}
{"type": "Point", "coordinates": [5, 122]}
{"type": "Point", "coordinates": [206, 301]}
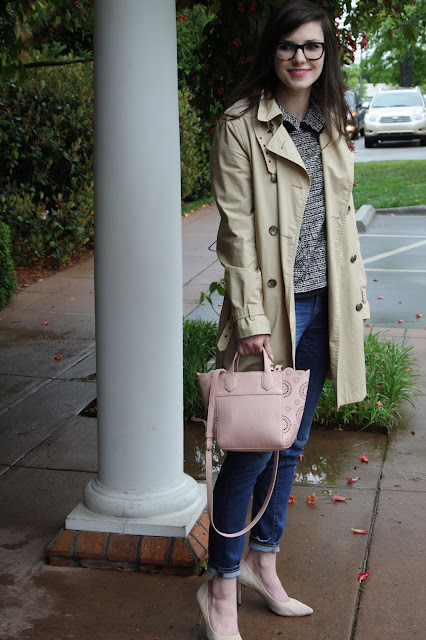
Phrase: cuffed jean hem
{"type": "Point", "coordinates": [266, 548]}
{"type": "Point", "coordinates": [233, 573]}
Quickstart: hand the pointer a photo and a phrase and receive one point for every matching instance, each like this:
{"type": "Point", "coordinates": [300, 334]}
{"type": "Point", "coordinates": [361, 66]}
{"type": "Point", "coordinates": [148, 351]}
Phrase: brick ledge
{"type": "Point", "coordinates": [125, 552]}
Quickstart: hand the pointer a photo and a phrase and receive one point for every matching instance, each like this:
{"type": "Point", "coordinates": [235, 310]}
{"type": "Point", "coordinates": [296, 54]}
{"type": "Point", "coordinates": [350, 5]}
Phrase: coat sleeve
{"type": "Point", "coordinates": [231, 175]}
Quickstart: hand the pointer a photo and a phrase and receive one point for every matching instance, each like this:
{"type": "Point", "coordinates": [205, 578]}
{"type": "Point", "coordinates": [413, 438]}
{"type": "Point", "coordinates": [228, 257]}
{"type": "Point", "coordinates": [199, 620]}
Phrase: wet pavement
{"type": "Point", "coordinates": [394, 253]}
{"type": "Point", "coordinates": [48, 454]}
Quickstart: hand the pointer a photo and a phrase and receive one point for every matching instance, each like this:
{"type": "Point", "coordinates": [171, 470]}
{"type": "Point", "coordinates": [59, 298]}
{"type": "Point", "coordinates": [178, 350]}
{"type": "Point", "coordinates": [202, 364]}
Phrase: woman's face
{"type": "Point", "coordinates": [299, 73]}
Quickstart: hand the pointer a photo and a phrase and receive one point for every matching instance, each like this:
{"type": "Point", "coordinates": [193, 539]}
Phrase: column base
{"type": "Point", "coordinates": [173, 519]}
{"type": "Point", "coordinates": [126, 552]}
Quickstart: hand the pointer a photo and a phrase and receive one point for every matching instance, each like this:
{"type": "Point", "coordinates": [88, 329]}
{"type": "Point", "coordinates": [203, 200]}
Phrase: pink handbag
{"type": "Point", "coordinates": [251, 411]}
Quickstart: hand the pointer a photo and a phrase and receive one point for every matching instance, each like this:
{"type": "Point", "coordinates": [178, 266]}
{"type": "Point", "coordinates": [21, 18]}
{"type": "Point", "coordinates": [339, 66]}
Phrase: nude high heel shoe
{"type": "Point", "coordinates": [290, 608]}
{"type": "Point", "coordinates": [203, 601]}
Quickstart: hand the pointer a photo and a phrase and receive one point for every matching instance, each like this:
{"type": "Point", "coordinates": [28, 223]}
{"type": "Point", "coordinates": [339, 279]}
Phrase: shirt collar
{"type": "Point", "coordinates": [313, 120]}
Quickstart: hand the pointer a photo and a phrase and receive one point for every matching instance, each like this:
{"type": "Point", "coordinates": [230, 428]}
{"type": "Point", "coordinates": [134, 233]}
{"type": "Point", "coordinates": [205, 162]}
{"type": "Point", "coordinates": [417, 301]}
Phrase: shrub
{"type": "Point", "coordinates": [7, 279]}
{"type": "Point", "coordinates": [390, 382]}
{"type": "Point", "coordinates": [46, 187]}
{"type": "Point", "coordinates": [194, 146]}
{"type": "Point", "coordinates": [199, 346]}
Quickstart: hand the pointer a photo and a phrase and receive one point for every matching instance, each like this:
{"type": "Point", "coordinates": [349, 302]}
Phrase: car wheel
{"type": "Point", "coordinates": [369, 142]}
{"type": "Point", "coordinates": [423, 141]}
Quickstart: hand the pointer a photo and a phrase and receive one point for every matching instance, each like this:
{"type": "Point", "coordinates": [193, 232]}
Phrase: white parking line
{"type": "Point", "coordinates": [387, 235]}
{"type": "Point", "coordinates": [398, 270]}
{"type": "Point", "coordinates": [380, 256]}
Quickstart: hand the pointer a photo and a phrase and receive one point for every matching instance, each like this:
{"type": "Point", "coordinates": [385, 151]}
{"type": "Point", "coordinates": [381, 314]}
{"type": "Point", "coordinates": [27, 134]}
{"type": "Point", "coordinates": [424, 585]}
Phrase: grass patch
{"type": "Point", "coordinates": [190, 207]}
{"type": "Point", "coordinates": [390, 381]}
{"type": "Point", "coordinates": [199, 346]}
{"type": "Point", "coordinates": [390, 184]}
{"type": "Point", "coordinates": [397, 183]}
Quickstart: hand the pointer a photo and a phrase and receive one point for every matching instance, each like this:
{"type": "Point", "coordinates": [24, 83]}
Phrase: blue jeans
{"type": "Point", "coordinates": [245, 474]}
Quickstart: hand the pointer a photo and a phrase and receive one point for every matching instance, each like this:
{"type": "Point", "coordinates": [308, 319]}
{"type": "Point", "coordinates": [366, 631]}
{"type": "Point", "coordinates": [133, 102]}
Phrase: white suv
{"type": "Point", "coordinates": [396, 114]}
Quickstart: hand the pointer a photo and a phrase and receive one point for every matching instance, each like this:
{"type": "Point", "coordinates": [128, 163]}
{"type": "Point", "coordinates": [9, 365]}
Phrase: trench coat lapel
{"type": "Point", "coordinates": [280, 143]}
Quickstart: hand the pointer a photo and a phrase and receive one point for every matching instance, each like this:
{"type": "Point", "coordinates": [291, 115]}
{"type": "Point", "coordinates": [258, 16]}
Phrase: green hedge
{"type": "Point", "coordinates": [7, 278]}
{"type": "Point", "coordinates": [194, 148]}
{"type": "Point", "coordinates": [46, 153]}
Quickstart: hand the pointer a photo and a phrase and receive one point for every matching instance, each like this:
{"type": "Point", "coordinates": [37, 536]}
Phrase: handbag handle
{"type": "Point", "coordinates": [267, 378]}
{"type": "Point", "coordinates": [209, 446]}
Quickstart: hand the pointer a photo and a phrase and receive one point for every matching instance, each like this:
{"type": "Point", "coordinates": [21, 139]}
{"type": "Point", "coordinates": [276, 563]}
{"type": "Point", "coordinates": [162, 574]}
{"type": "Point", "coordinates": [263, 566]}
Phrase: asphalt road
{"type": "Point", "coordinates": [394, 253]}
{"type": "Point", "coordinates": [392, 150]}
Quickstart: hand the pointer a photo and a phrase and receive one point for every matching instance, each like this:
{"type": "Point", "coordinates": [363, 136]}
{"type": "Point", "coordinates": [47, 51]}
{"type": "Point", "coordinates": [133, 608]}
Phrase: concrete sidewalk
{"type": "Point", "coordinates": [48, 454]}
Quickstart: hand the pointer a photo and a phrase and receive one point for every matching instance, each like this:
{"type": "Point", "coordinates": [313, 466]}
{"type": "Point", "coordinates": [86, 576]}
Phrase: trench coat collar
{"type": "Point", "coordinates": [281, 143]}
{"type": "Point", "coordinates": [268, 110]}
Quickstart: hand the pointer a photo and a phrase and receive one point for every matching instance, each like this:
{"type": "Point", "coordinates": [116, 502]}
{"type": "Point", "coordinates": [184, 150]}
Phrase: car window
{"type": "Point", "coordinates": [350, 101]}
{"type": "Point", "coordinates": [397, 99]}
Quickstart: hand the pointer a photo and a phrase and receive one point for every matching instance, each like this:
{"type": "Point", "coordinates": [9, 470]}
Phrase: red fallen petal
{"type": "Point", "coordinates": [337, 498]}
{"type": "Point", "coordinates": [46, 323]}
{"type": "Point", "coordinates": [58, 356]}
{"type": "Point", "coordinates": [400, 321]}
{"type": "Point", "coordinates": [409, 368]}
{"type": "Point", "coordinates": [419, 315]}
{"type": "Point", "coordinates": [363, 531]}
{"type": "Point", "coordinates": [379, 297]}
{"type": "Point", "coordinates": [291, 500]}
{"type": "Point", "coordinates": [362, 576]}
{"type": "Point", "coordinates": [363, 458]}
{"type": "Point", "coordinates": [379, 404]}
{"type": "Point", "coordinates": [352, 480]}
{"type": "Point", "coordinates": [312, 499]}
{"type": "Point", "coordinates": [367, 325]}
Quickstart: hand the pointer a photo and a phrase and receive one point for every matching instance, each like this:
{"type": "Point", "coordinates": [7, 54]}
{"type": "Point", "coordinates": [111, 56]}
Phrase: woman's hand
{"type": "Point", "coordinates": [253, 345]}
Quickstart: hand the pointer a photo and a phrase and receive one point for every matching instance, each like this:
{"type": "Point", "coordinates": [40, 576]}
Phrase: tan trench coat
{"type": "Point", "coordinates": [261, 186]}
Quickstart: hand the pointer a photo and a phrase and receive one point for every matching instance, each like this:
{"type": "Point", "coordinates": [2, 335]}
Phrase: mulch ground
{"type": "Point", "coordinates": [25, 276]}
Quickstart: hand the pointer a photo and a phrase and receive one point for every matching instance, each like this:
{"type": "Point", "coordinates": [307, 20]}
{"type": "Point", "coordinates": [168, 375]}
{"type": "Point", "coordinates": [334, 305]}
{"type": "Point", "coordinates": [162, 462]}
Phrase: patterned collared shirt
{"type": "Point", "coordinates": [310, 266]}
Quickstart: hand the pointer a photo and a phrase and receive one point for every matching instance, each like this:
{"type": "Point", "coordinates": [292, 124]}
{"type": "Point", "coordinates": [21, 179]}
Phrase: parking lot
{"type": "Point", "coordinates": [390, 150]}
{"type": "Point", "coordinates": [394, 253]}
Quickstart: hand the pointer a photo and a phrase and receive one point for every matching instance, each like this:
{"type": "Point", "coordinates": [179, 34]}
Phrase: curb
{"type": "Point", "coordinates": [366, 214]}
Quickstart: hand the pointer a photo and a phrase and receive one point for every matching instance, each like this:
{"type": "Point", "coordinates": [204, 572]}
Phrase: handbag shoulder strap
{"type": "Point", "coordinates": [209, 465]}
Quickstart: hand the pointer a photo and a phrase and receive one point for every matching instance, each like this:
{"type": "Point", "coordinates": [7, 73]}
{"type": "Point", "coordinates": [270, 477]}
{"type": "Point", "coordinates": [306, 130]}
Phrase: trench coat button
{"type": "Point", "coordinates": [272, 283]}
{"type": "Point", "coordinates": [273, 231]}
{"type": "Point", "coordinates": [359, 306]}
{"type": "Point", "coordinates": [274, 177]}
{"type": "Point", "coordinates": [353, 259]}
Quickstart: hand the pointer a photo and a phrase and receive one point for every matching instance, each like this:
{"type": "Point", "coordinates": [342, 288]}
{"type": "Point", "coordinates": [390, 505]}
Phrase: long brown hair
{"type": "Point", "coordinates": [328, 90]}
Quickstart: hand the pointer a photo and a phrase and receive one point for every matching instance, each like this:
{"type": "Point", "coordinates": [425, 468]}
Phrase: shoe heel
{"type": "Point", "coordinates": [239, 592]}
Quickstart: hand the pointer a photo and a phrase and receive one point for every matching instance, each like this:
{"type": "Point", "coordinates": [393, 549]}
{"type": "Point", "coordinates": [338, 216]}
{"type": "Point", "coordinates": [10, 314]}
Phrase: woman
{"type": "Point", "coordinates": [282, 175]}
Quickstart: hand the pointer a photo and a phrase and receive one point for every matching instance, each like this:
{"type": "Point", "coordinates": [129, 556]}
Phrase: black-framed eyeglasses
{"type": "Point", "coordinates": [311, 50]}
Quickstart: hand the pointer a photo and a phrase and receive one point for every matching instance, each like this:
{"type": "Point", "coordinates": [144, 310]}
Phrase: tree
{"type": "Point", "coordinates": [190, 26]}
{"type": "Point", "coordinates": [397, 56]}
{"type": "Point", "coordinates": [29, 24]}
{"type": "Point", "coordinates": [352, 75]}
{"type": "Point", "coordinates": [231, 36]}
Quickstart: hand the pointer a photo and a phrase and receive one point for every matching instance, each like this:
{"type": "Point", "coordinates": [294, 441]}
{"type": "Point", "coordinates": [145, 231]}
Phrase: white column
{"type": "Point", "coordinates": [140, 487]}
